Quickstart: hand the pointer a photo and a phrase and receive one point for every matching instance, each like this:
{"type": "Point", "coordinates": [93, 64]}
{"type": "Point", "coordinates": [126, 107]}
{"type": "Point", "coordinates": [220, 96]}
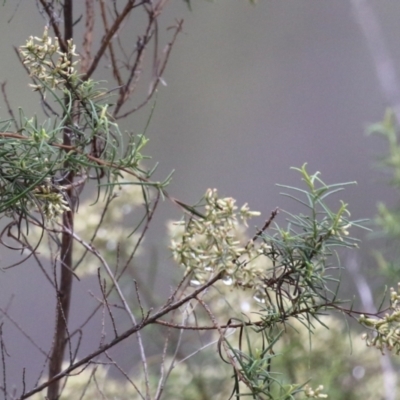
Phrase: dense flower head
{"type": "Point", "coordinates": [47, 63]}
{"type": "Point", "coordinates": [315, 393]}
{"type": "Point", "coordinates": [52, 202]}
{"type": "Point", "coordinates": [217, 243]}
{"type": "Point", "coordinates": [385, 331]}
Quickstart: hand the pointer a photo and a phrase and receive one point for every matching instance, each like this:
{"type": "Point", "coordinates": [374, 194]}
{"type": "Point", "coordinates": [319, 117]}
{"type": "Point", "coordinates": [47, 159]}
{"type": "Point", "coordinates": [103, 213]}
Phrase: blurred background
{"type": "Point", "coordinates": [250, 92]}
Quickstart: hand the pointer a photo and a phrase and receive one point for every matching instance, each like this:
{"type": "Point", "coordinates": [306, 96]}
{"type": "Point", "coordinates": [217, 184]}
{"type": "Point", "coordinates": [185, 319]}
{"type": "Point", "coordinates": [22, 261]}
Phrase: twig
{"type": "Point", "coordinates": [66, 252]}
{"type": "Point", "coordinates": [147, 321]}
{"type": "Point", "coordinates": [115, 69]}
{"type": "Point", "coordinates": [9, 109]}
{"type": "Point", "coordinates": [23, 332]}
{"type": "Point", "coordinates": [164, 375]}
{"type": "Point", "coordinates": [3, 362]}
{"type": "Point", "coordinates": [267, 224]}
{"type": "Point", "coordinates": [49, 11]}
{"type": "Point", "coordinates": [150, 216]}
{"type": "Point", "coordinates": [88, 36]}
{"type": "Point", "coordinates": [107, 38]}
{"type": "Point", "coordinates": [103, 292]}
{"type": "Point", "coordinates": [159, 73]}
{"type": "Point", "coordinates": [125, 375]}
{"type": "Point", "coordinates": [93, 250]}
{"type": "Point", "coordinates": [222, 341]}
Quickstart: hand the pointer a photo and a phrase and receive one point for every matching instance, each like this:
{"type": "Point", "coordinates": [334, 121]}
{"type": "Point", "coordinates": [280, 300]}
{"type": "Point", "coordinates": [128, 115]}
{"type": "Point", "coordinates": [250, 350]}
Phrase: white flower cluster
{"type": "Point", "coordinates": [38, 55]}
{"type": "Point", "coordinates": [386, 330]}
{"type": "Point", "coordinates": [342, 228]}
{"type": "Point", "coordinates": [215, 244]}
{"type": "Point", "coordinates": [315, 393]}
{"type": "Point", "coordinates": [51, 201]}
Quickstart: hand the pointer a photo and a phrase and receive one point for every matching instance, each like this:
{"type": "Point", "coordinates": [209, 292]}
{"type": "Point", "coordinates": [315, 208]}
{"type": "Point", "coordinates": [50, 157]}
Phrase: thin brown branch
{"type": "Point", "coordinates": [88, 36]}
{"type": "Point", "coordinates": [126, 376]}
{"type": "Point", "coordinates": [48, 8]}
{"type": "Point", "coordinates": [128, 88]}
{"type": "Point", "coordinates": [267, 224]}
{"type": "Point", "coordinates": [222, 341]}
{"type": "Point", "coordinates": [3, 352]}
{"type": "Point", "coordinates": [147, 321]}
{"type": "Point", "coordinates": [23, 332]}
{"type": "Point", "coordinates": [66, 253]}
{"type": "Point", "coordinates": [106, 303]}
{"type": "Point", "coordinates": [118, 277]}
{"type": "Point", "coordinates": [94, 251]}
{"type": "Point", "coordinates": [9, 108]}
{"type": "Point", "coordinates": [115, 69]}
{"type": "Point", "coordinates": [150, 215]}
{"type": "Point", "coordinates": [159, 74]}
{"type": "Point", "coordinates": [163, 373]}
{"type": "Point", "coordinates": [108, 37]}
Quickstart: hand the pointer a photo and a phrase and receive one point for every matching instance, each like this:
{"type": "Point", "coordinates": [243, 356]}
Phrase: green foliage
{"type": "Point", "coordinates": [33, 161]}
{"type": "Point", "coordinates": [385, 331]}
{"type": "Point", "coordinates": [292, 279]}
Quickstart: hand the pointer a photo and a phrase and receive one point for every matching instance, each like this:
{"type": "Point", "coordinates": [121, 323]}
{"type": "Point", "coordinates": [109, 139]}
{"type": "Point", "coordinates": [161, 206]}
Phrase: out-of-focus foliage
{"type": "Point", "coordinates": [388, 219]}
{"type": "Point", "coordinates": [113, 226]}
{"type": "Point", "coordinates": [332, 357]}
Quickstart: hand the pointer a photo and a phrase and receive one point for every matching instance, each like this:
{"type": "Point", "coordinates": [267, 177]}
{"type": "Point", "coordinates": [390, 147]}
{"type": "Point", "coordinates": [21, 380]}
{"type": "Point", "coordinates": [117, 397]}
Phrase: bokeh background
{"type": "Point", "coordinates": [251, 91]}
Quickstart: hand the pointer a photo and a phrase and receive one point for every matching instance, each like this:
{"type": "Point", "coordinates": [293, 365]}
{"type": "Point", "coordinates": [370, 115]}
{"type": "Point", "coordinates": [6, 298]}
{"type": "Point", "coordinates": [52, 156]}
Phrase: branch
{"type": "Point", "coordinates": [88, 35]}
{"type": "Point", "coordinates": [49, 11]}
{"type": "Point", "coordinates": [64, 292]}
{"type": "Point", "coordinates": [185, 207]}
{"type": "Point", "coordinates": [146, 321]}
{"type": "Point", "coordinates": [107, 38]}
{"type": "Point", "coordinates": [158, 73]}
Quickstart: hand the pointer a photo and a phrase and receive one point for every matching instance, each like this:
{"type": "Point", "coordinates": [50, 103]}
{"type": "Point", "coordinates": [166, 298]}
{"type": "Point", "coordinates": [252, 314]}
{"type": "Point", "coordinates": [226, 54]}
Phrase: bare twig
{"type": "Point", "coordinates": [125, 305]}
{"type": "Point", "coordinates": [115, 68]}
{"type": "Point", "coordinates": [3, 352]}
{"type": "Point", "coordinates": [88, 35]}
{"type": "Point", "coordinates": [147, 321]}
{"type": "Point", "coordinates": [9, 108]}
{"type": "Point", "coordinates": [108, 37]}
{"type": "Point", "coordinates": [105, 302]}
{"type": "Point", "coordinates": [125, 375]}
{"type": "Point", "coordinates": [163, 373]}
{"type": "Point", "coordinates": [160, 72]}
{"type": "Point", "coordinates": [22, 331]}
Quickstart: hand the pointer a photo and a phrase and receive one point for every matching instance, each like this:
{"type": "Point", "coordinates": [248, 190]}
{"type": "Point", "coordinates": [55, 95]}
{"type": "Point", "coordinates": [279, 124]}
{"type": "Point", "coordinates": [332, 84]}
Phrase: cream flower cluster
{"type": "Point", "coordinates": [315, 393]}
{"type": "Point", "coordinates": [385, 331]}
{"type": "Point", "coordinates": [52, 202]}
{"type": "Point", "coordinates": [216, 244]}
{"type": "Point", "coordinates": [50, 66]}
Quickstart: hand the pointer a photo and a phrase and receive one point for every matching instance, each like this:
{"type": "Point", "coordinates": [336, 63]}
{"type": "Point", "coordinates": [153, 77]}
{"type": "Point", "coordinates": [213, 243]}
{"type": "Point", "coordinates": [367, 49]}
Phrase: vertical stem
{"type": "Point", "coordinates": [63, 305]}
{"type": "Point", "coordinates": [65, 285]}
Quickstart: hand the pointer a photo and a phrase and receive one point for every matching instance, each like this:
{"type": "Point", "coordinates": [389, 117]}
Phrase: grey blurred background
{"type": "Point", "coordinates": [251, 91]}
